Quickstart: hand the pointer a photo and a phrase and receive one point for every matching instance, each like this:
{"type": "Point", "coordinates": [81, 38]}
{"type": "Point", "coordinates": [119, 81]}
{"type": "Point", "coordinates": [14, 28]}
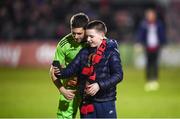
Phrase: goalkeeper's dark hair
{"type": "Point", "coordinates": [79, 20]}
{"type": "Point", "coordinates": [98, 25]}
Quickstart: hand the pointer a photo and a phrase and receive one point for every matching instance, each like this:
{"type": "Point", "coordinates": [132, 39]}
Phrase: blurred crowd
{"type": "Point", "coordinates": [49, 19]}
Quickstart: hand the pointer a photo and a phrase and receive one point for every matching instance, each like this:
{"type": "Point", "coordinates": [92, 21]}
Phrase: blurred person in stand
{"type": "Point", "coordinates": [151, 35]}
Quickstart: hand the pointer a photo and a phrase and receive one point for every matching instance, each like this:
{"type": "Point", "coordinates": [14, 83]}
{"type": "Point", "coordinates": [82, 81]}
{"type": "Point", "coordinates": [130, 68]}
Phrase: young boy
{"type": "Point", "coordinates": [98, 68]}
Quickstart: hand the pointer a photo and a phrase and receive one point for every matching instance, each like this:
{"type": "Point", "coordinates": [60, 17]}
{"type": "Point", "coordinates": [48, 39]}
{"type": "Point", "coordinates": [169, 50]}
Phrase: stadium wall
{"type": "Point", "coordinates": [40, 54]}
{"type": "Point", "coordinates": [133, 55]}
{"type": "Point", "coordinates": [26, 54]}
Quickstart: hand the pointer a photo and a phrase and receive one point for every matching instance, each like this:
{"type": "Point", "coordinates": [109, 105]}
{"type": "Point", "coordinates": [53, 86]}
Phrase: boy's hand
{"type": "Point", "coordinates": [92, 89]}
{"type": "Point", "coordinates": [56, 70]}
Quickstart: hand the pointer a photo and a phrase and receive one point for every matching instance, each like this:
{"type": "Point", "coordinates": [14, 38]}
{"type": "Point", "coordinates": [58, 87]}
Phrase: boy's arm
{"type": "Point", "coordinates": [72, 68]}
{"type": "Point", "coordinates": [115, 69]}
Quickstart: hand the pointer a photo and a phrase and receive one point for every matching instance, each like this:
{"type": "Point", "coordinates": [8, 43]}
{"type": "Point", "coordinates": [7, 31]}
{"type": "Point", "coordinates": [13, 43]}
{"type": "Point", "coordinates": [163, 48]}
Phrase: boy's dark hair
{"type": "Point", "coordinates": [98, 25]}
{"type": "Point", "coordinates": [79, 20]}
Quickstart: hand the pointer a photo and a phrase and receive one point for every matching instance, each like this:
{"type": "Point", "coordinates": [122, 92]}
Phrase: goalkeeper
{"type": "Point", "coordinates": [65, 52]}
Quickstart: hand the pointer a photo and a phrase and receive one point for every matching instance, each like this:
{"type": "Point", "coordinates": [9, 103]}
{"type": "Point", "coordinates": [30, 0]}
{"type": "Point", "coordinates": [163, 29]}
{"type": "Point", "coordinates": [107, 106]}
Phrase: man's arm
{"type": "Point", "coordinates": [68, 94]}
{"type": "Point", "coordinates": [67, 72]}
{"type": "Point", "coordinates": [60, 57]}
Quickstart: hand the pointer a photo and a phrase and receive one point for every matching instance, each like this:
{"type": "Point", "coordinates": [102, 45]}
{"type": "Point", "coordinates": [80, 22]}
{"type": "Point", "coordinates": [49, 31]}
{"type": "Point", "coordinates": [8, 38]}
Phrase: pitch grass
{"type": "Point", "coordinates": [30, 93]}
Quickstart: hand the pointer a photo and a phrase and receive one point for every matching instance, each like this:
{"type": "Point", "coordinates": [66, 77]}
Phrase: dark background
{"type": "Point", "coordinates": [49, 19]}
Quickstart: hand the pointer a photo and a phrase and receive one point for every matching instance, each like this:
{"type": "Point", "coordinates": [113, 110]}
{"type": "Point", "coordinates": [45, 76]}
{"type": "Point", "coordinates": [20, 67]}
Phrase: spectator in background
{"type": "Point", "coordinates": [151, 34]}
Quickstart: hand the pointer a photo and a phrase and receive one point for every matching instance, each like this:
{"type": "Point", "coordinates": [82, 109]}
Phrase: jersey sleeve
{"type": "Point", "coordinates": [60, 54]}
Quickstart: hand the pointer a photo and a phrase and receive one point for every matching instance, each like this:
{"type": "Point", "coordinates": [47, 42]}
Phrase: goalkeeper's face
{"type": "Point", "coordinates": [78, 34]}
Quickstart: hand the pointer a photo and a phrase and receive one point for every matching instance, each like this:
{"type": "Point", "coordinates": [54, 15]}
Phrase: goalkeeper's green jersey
{"type": "Point", "coordinates": [66, 50]}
